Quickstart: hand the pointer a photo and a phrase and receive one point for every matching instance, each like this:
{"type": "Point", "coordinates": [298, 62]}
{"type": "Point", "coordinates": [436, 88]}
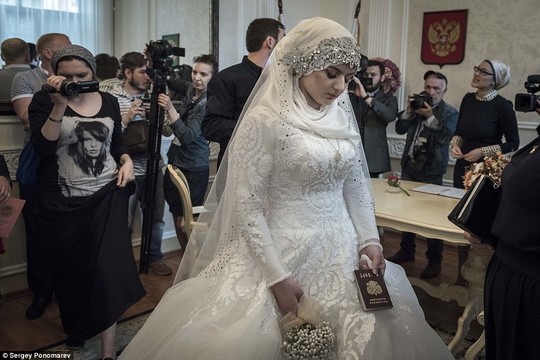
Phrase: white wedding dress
{"type": "Point", "coordinates": [305, 210]}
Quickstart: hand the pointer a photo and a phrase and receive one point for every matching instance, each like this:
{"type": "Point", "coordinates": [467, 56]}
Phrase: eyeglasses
{"type": "Point", "coordinates": [481, 71]}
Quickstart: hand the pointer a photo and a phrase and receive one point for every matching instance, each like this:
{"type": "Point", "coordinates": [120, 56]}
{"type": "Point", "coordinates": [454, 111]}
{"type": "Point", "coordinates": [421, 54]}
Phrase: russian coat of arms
{"type": "Point", "coordinates": [443, 37]}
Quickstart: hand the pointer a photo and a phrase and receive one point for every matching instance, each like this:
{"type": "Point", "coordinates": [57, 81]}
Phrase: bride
{"type": "Point", "coordinates": [290, 213]}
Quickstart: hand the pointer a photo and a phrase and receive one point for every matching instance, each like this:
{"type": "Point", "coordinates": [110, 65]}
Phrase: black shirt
{"type": "Point", "coordinates": [227, 93]}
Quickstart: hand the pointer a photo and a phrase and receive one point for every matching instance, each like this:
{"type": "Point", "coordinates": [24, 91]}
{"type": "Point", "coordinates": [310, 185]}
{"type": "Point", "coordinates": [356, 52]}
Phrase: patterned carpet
{"type": "Point", "coordinates": [129, 327]}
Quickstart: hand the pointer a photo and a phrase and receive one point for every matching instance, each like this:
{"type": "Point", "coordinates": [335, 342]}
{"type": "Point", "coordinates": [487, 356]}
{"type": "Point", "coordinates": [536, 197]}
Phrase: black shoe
{"type": "Point", "coordinates": [400, 257]}
{"type": "Point", "coordinates": [74, 343]}
{"type": "Point", "coordinates": [432, 270]}
{"type": "Point", "coordinates": [36, 309]}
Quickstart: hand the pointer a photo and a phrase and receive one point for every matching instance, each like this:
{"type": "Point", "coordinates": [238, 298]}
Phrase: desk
{"type": "Point", "coordinates": [426, 214]}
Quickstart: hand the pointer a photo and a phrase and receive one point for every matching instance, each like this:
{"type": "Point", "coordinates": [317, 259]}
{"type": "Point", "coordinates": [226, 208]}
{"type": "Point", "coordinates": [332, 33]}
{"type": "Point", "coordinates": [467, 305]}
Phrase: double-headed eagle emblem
{"type": "Point", "coordinates": [442, 37]}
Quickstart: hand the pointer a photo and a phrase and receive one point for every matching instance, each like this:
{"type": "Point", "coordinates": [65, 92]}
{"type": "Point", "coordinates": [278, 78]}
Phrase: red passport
{"type": "Point", "coordinates": [372, 290]}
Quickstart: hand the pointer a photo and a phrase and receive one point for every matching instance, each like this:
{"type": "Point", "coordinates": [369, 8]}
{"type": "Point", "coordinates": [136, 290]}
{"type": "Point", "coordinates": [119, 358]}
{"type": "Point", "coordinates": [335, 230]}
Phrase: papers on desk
{"type": "Point", "coordinates": [440, 190]}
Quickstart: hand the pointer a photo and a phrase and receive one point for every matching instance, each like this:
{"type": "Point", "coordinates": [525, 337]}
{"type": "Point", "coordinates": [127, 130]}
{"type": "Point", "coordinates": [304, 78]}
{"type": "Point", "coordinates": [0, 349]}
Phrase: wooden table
{"type": "Point", "coordinates": [426, 215]}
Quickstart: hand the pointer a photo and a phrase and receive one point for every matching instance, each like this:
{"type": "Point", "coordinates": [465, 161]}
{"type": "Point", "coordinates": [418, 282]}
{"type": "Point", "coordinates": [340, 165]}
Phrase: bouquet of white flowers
{"type": "Point", "coordinates": [306, 337]}
{"type": "Point", "coordinates": [492, 167]}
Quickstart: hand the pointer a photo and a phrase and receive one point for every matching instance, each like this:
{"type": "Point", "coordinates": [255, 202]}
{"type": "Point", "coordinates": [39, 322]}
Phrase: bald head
{"type": "Point", "coordinates": [47, 44]}
{"type": "Point", "coordinates": [15, 51]}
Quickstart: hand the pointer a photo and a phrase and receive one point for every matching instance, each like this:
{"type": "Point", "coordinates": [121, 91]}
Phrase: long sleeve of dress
{"type": "Point", "coordinates": [251, 168]}
{"type": "Point", "coordinates": [361, 206]}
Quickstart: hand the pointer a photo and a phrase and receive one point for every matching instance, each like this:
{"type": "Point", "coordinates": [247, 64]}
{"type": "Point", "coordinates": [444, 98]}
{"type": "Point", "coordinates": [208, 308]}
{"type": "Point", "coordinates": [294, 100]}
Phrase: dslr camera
{"type": "Point", "coordinates": [528, 102]}
{"type": "Point", "coordinates": [419, 100]}
{"type": "Point", "coordinates": [72, 88]}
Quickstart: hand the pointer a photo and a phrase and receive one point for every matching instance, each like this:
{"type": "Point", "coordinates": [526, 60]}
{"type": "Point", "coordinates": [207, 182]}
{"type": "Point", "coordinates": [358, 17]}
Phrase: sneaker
{"type": "Point", "coordinates": [400, 257]}
{"type": "Point", "coordinates": [160, 268]}
{"type": "Point", "coordinates": [432, 270]}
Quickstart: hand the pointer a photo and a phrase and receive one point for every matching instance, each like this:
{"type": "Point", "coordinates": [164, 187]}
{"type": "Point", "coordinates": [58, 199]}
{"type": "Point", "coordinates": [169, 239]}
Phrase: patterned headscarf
{"type": "Point", "coordinates": [74, 51]}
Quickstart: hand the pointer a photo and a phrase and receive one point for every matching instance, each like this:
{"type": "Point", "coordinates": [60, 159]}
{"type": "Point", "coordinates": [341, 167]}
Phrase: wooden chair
{"type": "Point", "coordinates": [190, 212]}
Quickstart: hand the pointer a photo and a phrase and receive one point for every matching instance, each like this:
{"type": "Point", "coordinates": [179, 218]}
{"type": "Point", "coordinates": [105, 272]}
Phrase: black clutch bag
{"type": "Point", "coordinates": [476, 210]}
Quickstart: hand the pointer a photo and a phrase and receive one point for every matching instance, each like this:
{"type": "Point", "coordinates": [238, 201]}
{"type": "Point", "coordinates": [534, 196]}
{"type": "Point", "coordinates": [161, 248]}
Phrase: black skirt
{"type": "Point", "coordinates": [94, 272]}
{"type": "Point", "coordinates": [512, 311]}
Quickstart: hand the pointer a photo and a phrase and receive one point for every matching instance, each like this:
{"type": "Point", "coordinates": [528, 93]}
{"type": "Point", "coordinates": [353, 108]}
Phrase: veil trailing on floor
{"type": "Point", "coordinates": [314, 44]}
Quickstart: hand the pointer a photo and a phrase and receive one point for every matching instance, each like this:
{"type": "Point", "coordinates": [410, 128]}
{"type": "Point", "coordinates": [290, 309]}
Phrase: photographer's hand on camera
{"type": "Point", "coordinates": [164, 101]}
{"type": "Point", "coordinates": [426, 111]}
{"type": "Point", "coordinates": [357, 88]}
{"type": "Point", "coordinates": [57, 97]}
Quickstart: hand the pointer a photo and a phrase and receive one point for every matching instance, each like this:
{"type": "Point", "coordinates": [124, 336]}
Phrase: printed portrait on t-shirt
{"type": "Point", "coordinates": [85, 163]}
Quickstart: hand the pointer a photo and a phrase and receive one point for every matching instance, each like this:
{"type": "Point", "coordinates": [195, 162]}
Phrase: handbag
{"type": "Point", "coordinates": [136, 137]}
{"type": "Point", "coordinates": [476, 210]}
{"type": "Point", "coordinates": [27, 171]}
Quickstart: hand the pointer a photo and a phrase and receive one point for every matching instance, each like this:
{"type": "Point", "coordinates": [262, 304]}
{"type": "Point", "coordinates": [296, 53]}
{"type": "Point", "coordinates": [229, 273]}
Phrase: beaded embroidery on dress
{"type": "Point", "coordinates": [289, 208]}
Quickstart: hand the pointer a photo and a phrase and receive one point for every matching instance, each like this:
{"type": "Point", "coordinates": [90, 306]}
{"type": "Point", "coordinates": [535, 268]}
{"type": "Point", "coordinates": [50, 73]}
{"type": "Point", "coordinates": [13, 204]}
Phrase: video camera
{"type": "Point", "coordinates": [72, 88]}
{"type": "Point", "coordinates": [419, 100]}
{"type": "Point", "coordinates": [161, 52]}
{"type": "Point", "coordinates": [528, 102]}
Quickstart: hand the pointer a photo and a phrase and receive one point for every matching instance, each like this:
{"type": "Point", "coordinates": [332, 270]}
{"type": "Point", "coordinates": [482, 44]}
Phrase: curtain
{"type": "Point", "coordinates": [86, 22]}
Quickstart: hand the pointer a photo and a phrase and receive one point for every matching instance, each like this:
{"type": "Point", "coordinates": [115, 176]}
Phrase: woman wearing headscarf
{"type": "Point", "coordinates": [487, 122]}
{"type": "Point", "coordinates": [289, 215]}
{"type": "Point", "coordinates": [94, 273]}
{"type": "Point", "coordinates": [512, 282]}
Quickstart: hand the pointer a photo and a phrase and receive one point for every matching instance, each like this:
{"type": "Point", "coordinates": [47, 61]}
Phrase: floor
{"type": "Point", "coordinates": [18, 333]}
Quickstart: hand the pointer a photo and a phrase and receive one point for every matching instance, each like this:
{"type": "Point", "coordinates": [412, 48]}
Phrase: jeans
{"type": "Point", "coordinates": [158, 224]}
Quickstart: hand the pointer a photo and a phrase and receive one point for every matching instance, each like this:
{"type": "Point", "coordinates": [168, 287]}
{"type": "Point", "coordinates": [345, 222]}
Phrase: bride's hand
{"type": "Point", "coordinates": [288, 293]}
{"type": "Point", "coordinates": [375, 255]}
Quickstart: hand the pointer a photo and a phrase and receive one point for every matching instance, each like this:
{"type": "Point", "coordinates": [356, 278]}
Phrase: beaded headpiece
{"type": "Point", "coordinates": [331, 51]}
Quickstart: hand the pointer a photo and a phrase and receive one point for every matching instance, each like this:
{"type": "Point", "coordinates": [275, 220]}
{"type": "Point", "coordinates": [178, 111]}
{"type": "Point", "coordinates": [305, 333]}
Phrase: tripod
{"type": "Point", "coordinates": [153, 155]}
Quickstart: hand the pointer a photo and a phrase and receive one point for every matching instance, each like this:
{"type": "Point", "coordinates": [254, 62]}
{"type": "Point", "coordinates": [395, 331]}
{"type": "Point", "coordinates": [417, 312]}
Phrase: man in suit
{"type": "Point", "coordinates": [229, 89]}
{"type": "Point", "coordinates": [374, 110]}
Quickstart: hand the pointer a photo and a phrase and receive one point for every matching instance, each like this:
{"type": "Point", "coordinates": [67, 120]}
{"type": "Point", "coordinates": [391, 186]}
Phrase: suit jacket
{"type": "Point", "coordinates": [438, 139]}
{"type": "Point", "coordinates": [372, 122]}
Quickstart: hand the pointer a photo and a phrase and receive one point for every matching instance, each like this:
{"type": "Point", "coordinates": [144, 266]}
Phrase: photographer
{"type": "Point", "coordinates": [89, 251]}
{"type": "Point", "coordinates": [189, 151]}
{"type": "Point", "coordinates": [373, 110]}
{"type": "Point", "coordinates": [131, 94]}
{"type": "Point", "coordinates": [429, 123]}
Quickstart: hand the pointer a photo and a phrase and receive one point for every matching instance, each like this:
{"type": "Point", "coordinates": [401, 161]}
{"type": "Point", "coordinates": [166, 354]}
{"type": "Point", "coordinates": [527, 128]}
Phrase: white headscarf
{"type": "Point", "coordinates": [501, 73]}
{"type": "Point", "coordinates": [313, 45]}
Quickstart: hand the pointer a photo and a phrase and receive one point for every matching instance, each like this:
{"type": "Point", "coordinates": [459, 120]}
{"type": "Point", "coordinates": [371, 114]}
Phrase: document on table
{"type": "Point", "coordinates": [441, 190]}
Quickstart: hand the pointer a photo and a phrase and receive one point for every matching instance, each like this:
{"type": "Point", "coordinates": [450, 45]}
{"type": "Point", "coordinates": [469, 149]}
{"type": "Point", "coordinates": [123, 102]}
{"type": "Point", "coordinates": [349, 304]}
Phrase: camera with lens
{"type": "Point", "coordinates": [72, 88]}
{"type": "Point", "coordinates": [161, 52]}
{"type": "Point", "coordinates": [365, 81]}
{"type": "Point", "coordinates": [422, 151]}
{"type": "Point", "coordinates": [528, 102]}
{"type": "Point", "coordinates": [419, 100]}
